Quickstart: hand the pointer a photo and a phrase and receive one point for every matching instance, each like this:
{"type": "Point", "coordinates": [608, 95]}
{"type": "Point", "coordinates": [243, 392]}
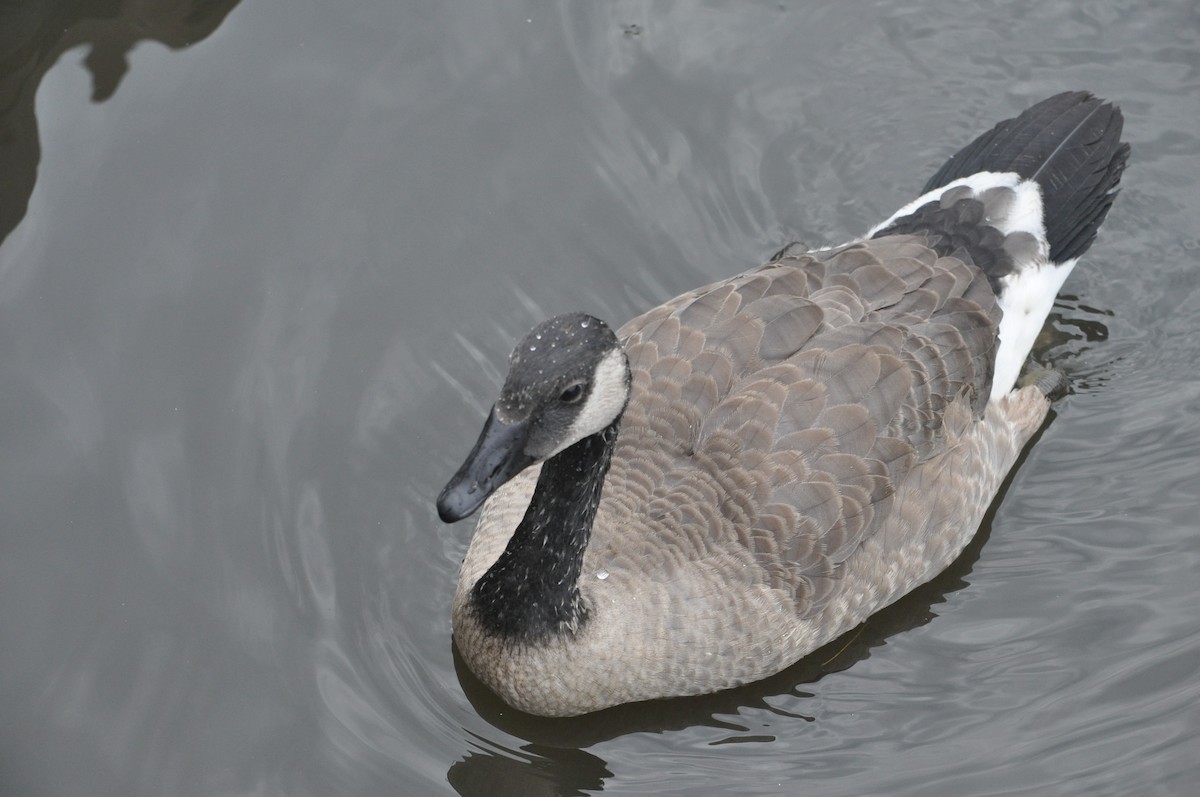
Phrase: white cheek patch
{"type": "Point", "coordinates": [610, 391]}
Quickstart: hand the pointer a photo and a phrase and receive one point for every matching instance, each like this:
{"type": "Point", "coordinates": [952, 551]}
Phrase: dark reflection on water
{"type": "Point", "coordinates": [255, 304]}
{"type": "Point", "coordinates": [534, 770]}
{"type": "Point", "coordinates": [34, 34]}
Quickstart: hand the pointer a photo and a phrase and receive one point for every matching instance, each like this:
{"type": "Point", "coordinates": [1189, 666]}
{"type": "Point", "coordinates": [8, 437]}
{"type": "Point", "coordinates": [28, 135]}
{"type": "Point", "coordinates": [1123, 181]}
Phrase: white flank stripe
{"type": "Point", "coordinates": [1026, 298]}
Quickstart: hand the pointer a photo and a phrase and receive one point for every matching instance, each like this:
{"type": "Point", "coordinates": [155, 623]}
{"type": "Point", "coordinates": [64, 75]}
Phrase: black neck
{"type": "Point", "coordinates": [532, 591]}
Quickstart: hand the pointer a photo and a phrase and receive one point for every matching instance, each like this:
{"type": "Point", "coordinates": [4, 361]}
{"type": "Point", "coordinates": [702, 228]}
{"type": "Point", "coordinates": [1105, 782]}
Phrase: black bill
{"type": "Point", "coordinates": [499, 454]}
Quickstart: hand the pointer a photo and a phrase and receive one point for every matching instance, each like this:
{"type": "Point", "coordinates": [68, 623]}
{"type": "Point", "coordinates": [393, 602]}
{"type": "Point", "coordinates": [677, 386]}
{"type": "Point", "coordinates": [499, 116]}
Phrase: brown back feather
{"type": "Point", "coordinates": [794, 398]}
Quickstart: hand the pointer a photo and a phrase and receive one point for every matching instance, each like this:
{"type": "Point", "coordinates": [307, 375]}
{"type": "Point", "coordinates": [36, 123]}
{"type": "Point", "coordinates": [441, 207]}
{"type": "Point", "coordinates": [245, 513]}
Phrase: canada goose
{"type": "Point", "coordinates": [738, 476]}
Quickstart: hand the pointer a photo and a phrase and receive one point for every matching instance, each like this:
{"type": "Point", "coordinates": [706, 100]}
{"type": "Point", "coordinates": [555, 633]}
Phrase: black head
{"type": "Point", "coordinates": [567, 379]}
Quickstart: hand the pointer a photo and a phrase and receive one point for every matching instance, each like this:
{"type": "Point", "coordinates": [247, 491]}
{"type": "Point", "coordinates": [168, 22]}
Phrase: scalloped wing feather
{"type": "Point", "coordinates": [776, 414]}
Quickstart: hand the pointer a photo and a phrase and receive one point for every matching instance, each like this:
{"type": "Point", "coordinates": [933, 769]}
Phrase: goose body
{"type": "Point", "coordinates": [743, 473]}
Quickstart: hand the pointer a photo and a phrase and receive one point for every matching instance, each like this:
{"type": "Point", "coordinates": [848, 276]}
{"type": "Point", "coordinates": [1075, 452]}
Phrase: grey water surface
{"type": "Point", "coordinates": [261, 264]}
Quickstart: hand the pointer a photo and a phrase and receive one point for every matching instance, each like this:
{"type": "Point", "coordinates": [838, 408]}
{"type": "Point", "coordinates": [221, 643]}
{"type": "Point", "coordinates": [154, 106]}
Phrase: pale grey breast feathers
{"type": "Point", "coordinates": [774, 413]}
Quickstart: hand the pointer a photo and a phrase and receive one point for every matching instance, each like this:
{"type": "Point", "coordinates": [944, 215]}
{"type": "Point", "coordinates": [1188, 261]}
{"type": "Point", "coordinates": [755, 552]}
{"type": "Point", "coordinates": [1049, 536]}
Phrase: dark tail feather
{"type": "Point", "coordinates": [1071, 145]}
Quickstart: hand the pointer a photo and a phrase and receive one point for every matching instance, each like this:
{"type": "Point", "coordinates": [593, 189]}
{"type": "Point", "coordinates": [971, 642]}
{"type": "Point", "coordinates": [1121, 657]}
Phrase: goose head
{"type": "Point", "coordinates": [567, 379]}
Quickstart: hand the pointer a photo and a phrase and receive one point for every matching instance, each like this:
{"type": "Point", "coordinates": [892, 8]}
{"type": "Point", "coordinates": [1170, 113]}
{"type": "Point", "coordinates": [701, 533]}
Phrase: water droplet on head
{"type": "Point", "coordinates": [533, 348]}
{"type": "Point", "coordinates": [602, 574]}
{"type": "Point", "coordinates": [583, 324]}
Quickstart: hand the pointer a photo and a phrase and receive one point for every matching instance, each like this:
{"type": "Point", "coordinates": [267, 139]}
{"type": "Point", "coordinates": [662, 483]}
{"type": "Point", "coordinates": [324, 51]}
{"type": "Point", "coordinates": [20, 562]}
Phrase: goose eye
{"type": "Point", "coordinates": [572, 395]}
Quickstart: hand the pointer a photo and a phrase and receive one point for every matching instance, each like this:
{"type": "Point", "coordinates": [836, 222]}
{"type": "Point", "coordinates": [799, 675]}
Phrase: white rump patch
{"type": "Point", "coordinates": [1028, 293]}
{"type": "Point", "coordinates": [1024, 215]}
